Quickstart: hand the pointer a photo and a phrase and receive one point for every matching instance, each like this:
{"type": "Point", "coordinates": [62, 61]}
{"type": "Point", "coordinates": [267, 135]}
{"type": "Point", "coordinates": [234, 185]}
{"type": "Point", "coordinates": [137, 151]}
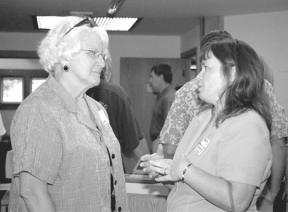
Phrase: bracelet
{"type": "Point", "coordinates": [184, 171]}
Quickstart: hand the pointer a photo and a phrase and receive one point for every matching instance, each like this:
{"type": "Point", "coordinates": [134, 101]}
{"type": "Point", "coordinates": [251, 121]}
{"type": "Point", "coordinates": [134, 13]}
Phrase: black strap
{"type": "Point", "coordinates": [113, 197]}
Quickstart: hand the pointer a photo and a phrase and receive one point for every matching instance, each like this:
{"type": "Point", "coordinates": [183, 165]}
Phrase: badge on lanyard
{"type": "Point", "coordinates": [104, 119]}
{"type": "Point", "coordinates": [202, 146]}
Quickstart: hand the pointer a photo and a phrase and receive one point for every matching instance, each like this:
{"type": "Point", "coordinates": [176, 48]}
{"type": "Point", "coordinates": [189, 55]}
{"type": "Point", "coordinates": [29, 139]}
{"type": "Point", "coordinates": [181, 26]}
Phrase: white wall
{"type": "Point", "coordinates": [191, 39]}
{"type": "Point", "coordinates": [141, 46]}
{"type": "Point", "coordinates": [20, 41]}
{"type": "Point", "coordinates": [213, 23]}
{"type": "Point", "coordinates": [267, 33]}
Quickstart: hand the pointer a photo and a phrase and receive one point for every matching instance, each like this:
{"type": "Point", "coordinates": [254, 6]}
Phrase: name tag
{"type": "Point", "coordinates": [104, 119]}
{"type": "Point", "coordinates": [202, 146]}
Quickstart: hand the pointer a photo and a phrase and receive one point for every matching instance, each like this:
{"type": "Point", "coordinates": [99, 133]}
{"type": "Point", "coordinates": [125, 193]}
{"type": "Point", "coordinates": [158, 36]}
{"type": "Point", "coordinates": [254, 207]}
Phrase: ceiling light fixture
{"type": "Point", "coordinates": [108, 23]}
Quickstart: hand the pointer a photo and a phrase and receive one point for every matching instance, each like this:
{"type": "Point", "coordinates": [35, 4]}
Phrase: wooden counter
{"type": "Point", "coordinates": [144, 194]}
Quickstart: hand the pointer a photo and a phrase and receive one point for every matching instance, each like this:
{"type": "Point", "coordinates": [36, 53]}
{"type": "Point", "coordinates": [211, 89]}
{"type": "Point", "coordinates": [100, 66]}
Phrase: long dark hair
{"type": "Point", "coordinates": [246, 91]}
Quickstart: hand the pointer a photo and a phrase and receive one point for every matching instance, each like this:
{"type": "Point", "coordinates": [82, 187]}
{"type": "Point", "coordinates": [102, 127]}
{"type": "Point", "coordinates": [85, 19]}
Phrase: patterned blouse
{"type": "Point", "coordinates": [54, 141]}
{"type": "Point", "coordinates": [187, 104]}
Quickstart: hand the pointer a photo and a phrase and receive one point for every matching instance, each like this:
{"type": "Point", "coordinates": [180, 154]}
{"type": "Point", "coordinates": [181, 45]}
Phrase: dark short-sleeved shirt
{"type": "Point", "coordinates": [120, 113]}
{"type": "Point", "coordinates": [160, 110]}
{"type": "Point", "coordinates": [54, 141]}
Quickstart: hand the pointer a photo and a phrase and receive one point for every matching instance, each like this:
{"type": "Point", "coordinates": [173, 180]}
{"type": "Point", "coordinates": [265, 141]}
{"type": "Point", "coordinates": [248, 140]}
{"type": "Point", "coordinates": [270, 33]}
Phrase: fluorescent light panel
{"type": "Point", "coordinates": [108, 23]}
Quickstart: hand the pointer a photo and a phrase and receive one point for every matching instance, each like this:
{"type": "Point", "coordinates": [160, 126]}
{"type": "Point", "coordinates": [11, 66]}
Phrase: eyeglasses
{"type": "Point", "coordinates": [86, 21]}
{"type": "Point", "coordinates": [95, 54]}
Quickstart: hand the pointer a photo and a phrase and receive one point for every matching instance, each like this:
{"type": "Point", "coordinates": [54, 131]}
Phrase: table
{"type": "Point", "coordinates": [144, 194]}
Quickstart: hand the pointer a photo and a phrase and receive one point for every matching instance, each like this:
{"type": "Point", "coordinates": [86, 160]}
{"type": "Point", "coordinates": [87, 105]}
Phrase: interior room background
{"type": "Point", "coordinates": [266, 32]}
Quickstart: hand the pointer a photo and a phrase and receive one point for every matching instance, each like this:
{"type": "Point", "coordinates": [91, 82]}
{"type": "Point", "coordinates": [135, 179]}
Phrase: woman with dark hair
{"type": "Point", "coordinates": [224, 158]}
{"type": "Point", "coordinates": [246, 90]}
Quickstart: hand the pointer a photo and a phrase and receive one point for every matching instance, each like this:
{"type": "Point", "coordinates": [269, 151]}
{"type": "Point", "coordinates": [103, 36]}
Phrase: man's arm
{"type": "Point", "coordinates": [142, 147]}
{"type": "Point", "coordinates": [278, 133]}
{"type": "Point", "coordinates": [184, 107]}
{"type": "Point", "coordinates": [278, 165]}
{"type": "Point", "coordinates": [134, 144]}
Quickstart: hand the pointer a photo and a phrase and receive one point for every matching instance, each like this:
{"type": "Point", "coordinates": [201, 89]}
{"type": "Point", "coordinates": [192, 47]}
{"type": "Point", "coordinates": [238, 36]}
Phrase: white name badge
{"type": "Point", "coordinates": [104, 119]}
{"type": "Point", "coordinates": [202, 146]}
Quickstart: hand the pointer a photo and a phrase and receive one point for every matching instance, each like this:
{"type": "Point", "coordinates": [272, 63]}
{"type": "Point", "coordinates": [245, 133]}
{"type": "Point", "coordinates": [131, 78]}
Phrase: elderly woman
{"type": "Point", "coordinates": [224, 158]}
{"type": "Point", "coordinates": [66, 157]}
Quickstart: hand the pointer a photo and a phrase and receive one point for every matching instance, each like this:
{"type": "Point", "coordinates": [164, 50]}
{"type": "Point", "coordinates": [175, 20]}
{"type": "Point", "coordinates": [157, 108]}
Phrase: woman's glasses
{"type": "Point", "coordinates": [87, 21]}
{"type": "Point", "coordinates": [95, 54]}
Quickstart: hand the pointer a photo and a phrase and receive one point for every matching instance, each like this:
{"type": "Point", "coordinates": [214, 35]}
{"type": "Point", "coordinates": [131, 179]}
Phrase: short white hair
{"type": "Point", "coordinates": [58, 46]}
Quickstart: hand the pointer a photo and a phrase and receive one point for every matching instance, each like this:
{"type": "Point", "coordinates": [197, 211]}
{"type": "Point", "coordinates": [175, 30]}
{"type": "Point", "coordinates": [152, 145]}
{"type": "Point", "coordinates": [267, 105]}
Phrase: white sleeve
{"type": "Point", "coordinates": [2, 128]}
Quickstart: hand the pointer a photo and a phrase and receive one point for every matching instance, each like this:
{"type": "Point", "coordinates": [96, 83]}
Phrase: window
{"type": "Point", "coordinates": [12, 90]}
{"type": "Point", "coordinates": [16, 85]}
{"type": "Point", "coordinates": [36, 82]}
{"type": "Point", "coordinates": [20, 74]}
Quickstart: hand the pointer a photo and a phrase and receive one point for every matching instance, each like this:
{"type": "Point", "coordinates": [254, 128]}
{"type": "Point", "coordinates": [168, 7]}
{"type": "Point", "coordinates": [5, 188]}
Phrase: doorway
{"type": "Point", "coordinates": [134, 76]}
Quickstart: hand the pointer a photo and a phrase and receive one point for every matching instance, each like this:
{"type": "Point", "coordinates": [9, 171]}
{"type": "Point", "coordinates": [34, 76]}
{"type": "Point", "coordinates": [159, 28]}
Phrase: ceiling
{"type": "Point", "coordinates": [169, 17]}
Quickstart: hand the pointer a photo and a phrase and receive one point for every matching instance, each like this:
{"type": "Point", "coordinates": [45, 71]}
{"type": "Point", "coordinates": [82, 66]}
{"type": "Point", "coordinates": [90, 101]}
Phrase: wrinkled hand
{"type": "Point", "coordinates": [145, 163]}
{"type": "Point", "coordinates": [165, 169]}
{"type": "Point", "coordinates": [169, 170]}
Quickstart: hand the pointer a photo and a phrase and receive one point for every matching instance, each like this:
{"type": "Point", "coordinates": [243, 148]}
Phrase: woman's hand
{"type": "Point", "coordinates": [169, 170]}
{"type": "Point", "coordinates": [163, 169]}
{"type": "Point", "coordinates": [146, 163]}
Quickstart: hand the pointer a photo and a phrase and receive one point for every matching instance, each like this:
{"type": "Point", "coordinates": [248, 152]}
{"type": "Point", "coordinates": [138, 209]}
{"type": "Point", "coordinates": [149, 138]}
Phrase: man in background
{"type": "Point", "coordinates": [122, 120]}
{"type": "Point", "coordinates": [160, 82]}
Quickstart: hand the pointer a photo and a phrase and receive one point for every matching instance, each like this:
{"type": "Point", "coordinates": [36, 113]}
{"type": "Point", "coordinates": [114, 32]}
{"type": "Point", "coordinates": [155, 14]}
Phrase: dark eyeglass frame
{"type": "Point", "coordinates": [86, 21]}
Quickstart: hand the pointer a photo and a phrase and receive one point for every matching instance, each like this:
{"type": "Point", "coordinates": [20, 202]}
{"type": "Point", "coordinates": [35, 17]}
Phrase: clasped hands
{"type": "Point", "coordinates": [161, 169]}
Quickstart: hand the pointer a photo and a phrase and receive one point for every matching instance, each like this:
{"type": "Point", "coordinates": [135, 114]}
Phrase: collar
{"type": "Point", "coordinates": [165, 90]}
{"type": "Point", "coordinates": [62, 94]}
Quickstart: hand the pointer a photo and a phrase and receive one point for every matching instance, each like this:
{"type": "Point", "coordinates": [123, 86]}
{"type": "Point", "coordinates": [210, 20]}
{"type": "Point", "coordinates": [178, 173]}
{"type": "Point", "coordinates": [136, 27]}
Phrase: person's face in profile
{"type": "Point", "coordinates": [213, 80]}
{"type": "Point", "coordinates": [155, 82]}
{"type": "Point", "coordinates": [88, 64]}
